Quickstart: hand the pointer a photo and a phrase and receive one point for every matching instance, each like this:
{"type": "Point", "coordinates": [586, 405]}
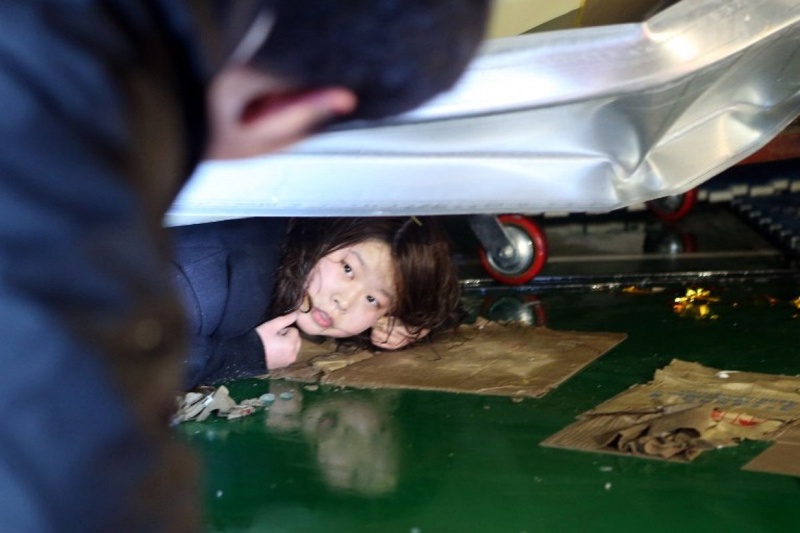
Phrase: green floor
{"type": "Point", "coordinates": [331, 460]}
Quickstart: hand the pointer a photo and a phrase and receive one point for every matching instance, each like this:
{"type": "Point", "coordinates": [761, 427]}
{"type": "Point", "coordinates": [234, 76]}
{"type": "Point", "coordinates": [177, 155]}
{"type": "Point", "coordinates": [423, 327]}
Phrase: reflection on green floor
{"type": "Point", "coordinates": [332, 460]}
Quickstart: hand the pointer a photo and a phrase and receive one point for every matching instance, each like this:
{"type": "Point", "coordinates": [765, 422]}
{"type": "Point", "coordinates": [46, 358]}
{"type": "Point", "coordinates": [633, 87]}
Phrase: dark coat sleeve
{"type": "Point", "coordinates": [225, 274]}
{"type": "Point", "coordinates": [91, 331]}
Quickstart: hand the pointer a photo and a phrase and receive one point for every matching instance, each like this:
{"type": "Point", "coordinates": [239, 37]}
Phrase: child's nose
{"type": "Point", "coordinates": [344, 298]}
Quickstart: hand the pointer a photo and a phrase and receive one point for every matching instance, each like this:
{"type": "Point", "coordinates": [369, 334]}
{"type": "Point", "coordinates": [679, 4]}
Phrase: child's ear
{"type": "Point", "coordinates": [254, 113]}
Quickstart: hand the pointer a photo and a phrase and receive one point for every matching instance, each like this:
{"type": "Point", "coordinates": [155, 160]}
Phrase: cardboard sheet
{"type": "Point", "coordinates": [688, 409]}
{"type": "Point", "coordinates": [783, 457]}
{"type": "Point", "coordinates": [485, 358]}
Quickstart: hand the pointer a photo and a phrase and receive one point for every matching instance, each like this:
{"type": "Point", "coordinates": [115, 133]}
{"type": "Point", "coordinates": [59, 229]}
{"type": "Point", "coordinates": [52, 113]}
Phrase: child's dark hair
{"type": "Point", "coordinates": [393, 54]}
{"type": "Point", "coordinates": [429, 293]}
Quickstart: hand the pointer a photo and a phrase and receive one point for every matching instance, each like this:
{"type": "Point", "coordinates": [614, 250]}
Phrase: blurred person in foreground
{"type": "Point", "coordinates": [108, 106]}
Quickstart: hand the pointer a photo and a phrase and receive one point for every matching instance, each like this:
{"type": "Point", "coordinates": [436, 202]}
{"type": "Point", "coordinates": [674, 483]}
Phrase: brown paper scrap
{"type": "Point", "coordinates": [686, 410]}
{"type": "Point", "coordinates": [783, 457]}
{"type": "Point", "coordinates": [687, 432]}
{"type": "Point", "coordinates": [487, 358]}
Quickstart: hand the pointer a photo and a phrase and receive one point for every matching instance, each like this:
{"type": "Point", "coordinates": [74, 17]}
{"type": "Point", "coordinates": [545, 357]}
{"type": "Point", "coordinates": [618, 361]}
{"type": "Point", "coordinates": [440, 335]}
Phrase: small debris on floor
{"type": "Point", "coordinates": [198, 405]}
{"type": "Point", "coordinates": [695, 304]}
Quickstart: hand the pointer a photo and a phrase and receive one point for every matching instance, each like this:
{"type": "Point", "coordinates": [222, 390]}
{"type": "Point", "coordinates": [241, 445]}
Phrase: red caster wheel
{"type": "Point", "coordinates": [522, 258]}
{"type": "Point", "coordinates": [673, 208]}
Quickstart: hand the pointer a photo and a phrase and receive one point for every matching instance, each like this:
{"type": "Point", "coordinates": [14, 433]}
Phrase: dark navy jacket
{"type": "Point", "coordinates": [103, 119]}
{"type": "Point", "coordinates": [225, 273]}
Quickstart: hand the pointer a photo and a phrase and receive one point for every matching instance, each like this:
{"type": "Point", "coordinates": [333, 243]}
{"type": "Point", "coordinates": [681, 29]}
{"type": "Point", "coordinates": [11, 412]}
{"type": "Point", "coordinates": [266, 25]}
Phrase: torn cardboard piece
{"type": "Point", "coordinates": [487, 358]}
{"type": "Point", "coordinates": [687, 409]}
{"type": "Point", "coordinates": [783, 457]}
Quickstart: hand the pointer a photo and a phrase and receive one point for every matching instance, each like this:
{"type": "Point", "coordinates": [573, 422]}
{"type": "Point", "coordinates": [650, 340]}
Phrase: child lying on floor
{"type": "Point", "coordinates": [253, 287]}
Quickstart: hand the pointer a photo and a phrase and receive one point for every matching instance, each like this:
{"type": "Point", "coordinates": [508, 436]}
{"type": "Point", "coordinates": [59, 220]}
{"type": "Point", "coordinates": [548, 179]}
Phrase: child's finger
{"type": "Point", "coordinates": [392, 341]}
{"type": "Point", "coordinates": [289, 333]}
{"type": "Point", "coordinates": [285, 321]}
{"type": "Point", "coordinates": [382, 323]}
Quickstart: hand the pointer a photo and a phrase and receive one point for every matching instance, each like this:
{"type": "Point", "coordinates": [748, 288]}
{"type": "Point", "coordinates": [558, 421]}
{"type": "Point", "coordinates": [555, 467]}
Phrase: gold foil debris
{"type": "Point", "coordinates": [695, 304]}
{"type": "Point", "coordinates": [633, 289]}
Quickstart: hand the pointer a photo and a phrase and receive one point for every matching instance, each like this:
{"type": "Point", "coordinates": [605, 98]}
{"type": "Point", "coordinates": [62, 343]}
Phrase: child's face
{"type": "Point", "coordinates": [350, 290]}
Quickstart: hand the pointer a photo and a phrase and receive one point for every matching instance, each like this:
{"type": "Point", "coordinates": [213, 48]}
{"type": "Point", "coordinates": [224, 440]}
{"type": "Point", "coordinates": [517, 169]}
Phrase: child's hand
{"type": "Point", "coordinates": [391, 334]}
{"type": "Point", "coordinates": [281, 341]}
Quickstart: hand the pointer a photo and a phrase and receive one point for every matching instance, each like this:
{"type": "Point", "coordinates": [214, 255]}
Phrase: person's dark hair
{"type": "Point", "coordinates": [394, 54]}
{"type": "Point", "coordinates": [429, 293]}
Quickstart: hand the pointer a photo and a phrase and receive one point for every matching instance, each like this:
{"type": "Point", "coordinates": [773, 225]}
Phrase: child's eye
{"type": "Point", "coordinates": [347, 268]}
{"type": "Point", "coordinates": [373, 301]}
